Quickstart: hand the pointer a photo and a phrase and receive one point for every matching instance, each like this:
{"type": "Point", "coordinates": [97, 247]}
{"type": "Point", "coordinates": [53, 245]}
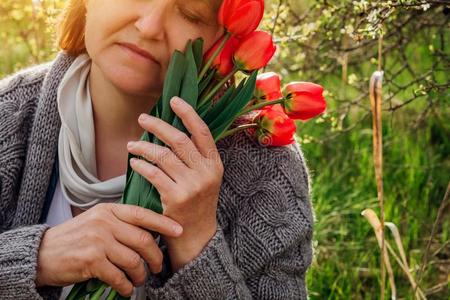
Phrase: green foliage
{"type": "Point", "coordinates": [27, 33]}
{"type": "Point", "coordinates": [335, 43]}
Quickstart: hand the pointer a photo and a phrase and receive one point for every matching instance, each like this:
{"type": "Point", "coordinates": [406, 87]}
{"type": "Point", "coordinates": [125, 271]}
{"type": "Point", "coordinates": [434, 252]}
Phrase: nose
{"type": "Point", "coordinates": [151, 21]}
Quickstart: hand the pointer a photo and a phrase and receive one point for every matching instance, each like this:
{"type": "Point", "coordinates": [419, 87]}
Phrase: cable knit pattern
{"type": "Point", "coordinates": [262, 247]}
{"type": "Point", "coordinates": [17, 106]}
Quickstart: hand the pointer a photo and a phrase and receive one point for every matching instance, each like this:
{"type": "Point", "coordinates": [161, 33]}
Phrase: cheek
{"type": "Point", "coordinates": [104, 20]}
{"type": "Point", "coordinates": [127, 74]}
{"type": "Point", "coordinates": [180, 33]}
{"type": "Point", "coordinates": [212, 38]}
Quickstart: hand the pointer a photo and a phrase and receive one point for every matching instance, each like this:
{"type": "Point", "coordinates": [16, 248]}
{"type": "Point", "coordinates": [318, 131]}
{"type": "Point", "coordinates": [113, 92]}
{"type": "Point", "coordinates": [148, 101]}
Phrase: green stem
{"type": "Point", "coordinates": [260, 105]}
{"type": "Point", "coordinates": [99, 292]}
{"type": "Point", "coordinates": [112, 294]}
{"type": "Point", "coordinates": [217, 87]}
{"type": "Point", "coordinates": [211, 59]}
{"type": "Point", "coordinates": [237, 129]}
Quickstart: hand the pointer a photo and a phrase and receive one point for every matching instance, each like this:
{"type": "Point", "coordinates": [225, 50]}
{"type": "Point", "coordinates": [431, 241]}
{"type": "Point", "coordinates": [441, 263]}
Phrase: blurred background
{"type": "Point", "coordinates": [337, 44]}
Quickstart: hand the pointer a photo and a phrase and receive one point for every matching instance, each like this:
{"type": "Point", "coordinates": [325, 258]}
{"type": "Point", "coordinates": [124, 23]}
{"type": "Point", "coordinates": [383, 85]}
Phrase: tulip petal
{"type": "Point", "coordinates": [304, 100]}
{"type": "Point", "coordinates": [268, 87]}
{"type": "Point", "coordinates": [275, 127]}
{"type": "Point", "coordinates": [246, 19]}
{"type": "Point", "coordinates": [240, 17]}
{"type": "Point", "coordinates": [254, 51]}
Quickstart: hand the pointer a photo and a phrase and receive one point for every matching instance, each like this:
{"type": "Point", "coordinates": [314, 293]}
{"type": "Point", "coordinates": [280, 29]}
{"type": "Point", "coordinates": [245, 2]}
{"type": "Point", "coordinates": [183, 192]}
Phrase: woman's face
{"type": "Point", "coordinates": [153, 27]}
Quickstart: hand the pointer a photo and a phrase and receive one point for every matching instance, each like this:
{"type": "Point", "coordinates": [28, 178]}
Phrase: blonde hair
{"type": "Point", "coordinates": [72, 22]}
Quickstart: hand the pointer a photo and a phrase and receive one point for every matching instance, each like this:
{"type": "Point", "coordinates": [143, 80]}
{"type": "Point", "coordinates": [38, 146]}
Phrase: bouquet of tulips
{"type": "Point", "coordinates": [203, 81]}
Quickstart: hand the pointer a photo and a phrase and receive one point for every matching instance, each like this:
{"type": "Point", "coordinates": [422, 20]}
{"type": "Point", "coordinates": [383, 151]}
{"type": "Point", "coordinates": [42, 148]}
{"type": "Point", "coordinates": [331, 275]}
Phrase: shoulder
{"type": "Point", "coordinates": [28, 84]}
{"type": "Point", "coordinates": [247, 161]}
{"type": "Point", "coordinates": [267, 181]}
{"type": "Point", "coordinates": [19, 94]}
{"type": "Point", "coordinates": [25, 81]}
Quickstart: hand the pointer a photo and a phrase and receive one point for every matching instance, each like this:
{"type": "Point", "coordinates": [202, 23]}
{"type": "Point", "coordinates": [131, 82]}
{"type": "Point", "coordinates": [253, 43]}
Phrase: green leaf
{"type": "Point", "coordinates": [189, 88]}
{"type": "Point", "coordinates": [204, 109]}
{"type": "Point", "coordinates": [132, 193]}
{"type": "Point", "coordinates": [219, 106]}
{"type": "Point", "coordinates": [217, 132]}
{"type": "Point", "coordinates": [172, 86]}
{"type": "Point", "coordinates": [226, 118]}
{"type": "Point", "coordinates": [147, 137]}
{"type": "Point", "coordinates": [239, 87]}
{"type": "Point", "coordinates": [197, 47]}
{"type": "Point", "coordinates": [152, 200]}
{"type": "Point", "coordinates": [206, 81]}
{"type": "Point", "coordinates": [156, 111]}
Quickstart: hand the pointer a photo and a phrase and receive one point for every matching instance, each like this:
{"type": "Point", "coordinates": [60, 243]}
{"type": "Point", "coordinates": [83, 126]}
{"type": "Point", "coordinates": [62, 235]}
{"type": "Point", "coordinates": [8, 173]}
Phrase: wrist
{"type": "Point", "coordinates": [41, 279]}
{"type": "Point", "coordinates": [188, 246]}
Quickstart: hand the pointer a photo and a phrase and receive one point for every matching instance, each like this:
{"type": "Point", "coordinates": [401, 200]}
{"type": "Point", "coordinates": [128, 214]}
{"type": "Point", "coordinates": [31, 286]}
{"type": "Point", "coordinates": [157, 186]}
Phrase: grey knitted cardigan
{"type": "Point", "coordinates": [262, 247]}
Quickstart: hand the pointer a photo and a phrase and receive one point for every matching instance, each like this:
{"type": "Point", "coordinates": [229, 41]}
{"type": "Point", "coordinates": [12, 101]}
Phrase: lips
{"type": "Point", "coordinates": [139, 51]}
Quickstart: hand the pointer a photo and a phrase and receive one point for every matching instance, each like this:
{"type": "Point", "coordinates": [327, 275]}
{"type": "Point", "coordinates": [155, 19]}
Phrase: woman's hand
{"type": "Point", "coordinates": [187, 174]}
{"type": "Point", "coordinates": [100, 243]}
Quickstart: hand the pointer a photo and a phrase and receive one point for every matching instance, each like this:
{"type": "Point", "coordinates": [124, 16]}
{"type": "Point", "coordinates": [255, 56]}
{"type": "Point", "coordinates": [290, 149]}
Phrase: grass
{"type": "Point", "coordinates": [416, 164]}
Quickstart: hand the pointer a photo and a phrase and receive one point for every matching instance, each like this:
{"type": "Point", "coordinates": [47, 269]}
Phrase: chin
{"type": "Point", "coordinates": [132, 82]}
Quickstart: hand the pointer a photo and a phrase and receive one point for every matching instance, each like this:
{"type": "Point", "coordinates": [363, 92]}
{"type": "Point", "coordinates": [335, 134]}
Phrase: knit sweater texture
{"type": "Point", "coordinates": [261, 249]}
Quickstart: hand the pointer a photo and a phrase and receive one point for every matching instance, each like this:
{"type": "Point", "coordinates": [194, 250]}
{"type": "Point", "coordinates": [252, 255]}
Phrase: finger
{"type": "Point", "coordinates": [178, 141]}
{"type": "Point", "coordinates": [141, 241]}
{"type": "Point", "coordinates": [114, 277]}
{"type": "Point", "coordinates": [146, 218]}
{"type": "Point", "coordinates": [162, 182]}
{"type": "Point", "coordinates": [163, 157]}
{"type": "Point", "coordinates": [127, 260]}
{"type": "Point", "coordinates": [201, 134]}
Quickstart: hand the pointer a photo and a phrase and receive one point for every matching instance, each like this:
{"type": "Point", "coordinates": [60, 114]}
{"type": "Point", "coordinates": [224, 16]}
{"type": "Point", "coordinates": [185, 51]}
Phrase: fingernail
{"type": "Point", "coordinates": [176, 100]}
{"type": "Point", "coordinates": [133, 161]}
{"type": "Point", "coordinates": [143, 117]}
{"type": "Point", "coordinates": [130, 144]}
{"type": "Point", "coordinates": [177, 229]}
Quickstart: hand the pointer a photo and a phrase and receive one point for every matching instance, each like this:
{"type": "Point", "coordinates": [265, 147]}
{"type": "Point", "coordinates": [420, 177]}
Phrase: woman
{"type": "Point", "coordinates": [237, 220]}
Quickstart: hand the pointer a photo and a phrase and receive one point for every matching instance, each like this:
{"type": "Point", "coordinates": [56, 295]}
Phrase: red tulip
{"type": "Point", "coordinates": [304, 100]}
{"type": "Point", "coordinates": [268, 87]}
{"type": "Point", "coordinates": [254, 51]}
{"type": "Point", "coordinates": [224, 60]}
{"type": "Point", "coordinates": [275, 127]}
{"type": "Point", "coordinates": [240, 17]}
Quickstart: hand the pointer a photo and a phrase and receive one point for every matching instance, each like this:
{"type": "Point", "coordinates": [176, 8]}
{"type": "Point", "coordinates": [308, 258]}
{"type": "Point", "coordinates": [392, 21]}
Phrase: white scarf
{"type": "Point", "coordinates": [76, 144]}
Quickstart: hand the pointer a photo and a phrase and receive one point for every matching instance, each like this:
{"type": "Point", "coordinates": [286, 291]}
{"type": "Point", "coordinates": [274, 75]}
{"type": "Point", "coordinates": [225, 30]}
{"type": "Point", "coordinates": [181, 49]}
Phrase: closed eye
{"type": "Point", "coordinates": [189, 17]}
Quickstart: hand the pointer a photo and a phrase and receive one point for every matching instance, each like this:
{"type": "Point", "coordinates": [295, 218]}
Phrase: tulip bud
{"type": "Point", "coordinates": [303, 100]}
{"type": "Point", "coordinates": [241, 17]}
{"type": "Point", "coordinates": [254, 51]}
{"type": "Point", "coordinates": [268, 87]}
{"type": "Point", "coordinates": [275, 128]}
{"type": "Point", "coordinates": [224, 60]}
